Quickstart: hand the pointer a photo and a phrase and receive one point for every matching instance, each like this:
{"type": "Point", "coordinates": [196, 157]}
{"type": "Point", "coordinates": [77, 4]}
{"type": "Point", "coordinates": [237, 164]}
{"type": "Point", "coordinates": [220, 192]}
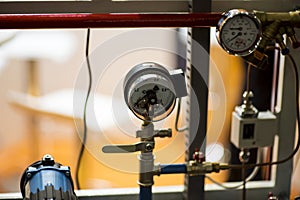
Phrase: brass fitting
{"type": "Point", "coordinates": [195, 168]}
{"type": "Point", "coordinates": [287, 18]}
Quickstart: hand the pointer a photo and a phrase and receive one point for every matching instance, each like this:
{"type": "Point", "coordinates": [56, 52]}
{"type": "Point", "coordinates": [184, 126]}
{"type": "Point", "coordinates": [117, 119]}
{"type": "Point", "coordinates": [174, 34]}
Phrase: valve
{"type": "Point", "coordinates": [194, 168]}
{"type": "Point", "coordinates": [247, 109]}
{"type": "Point", "coordinates": [146, 145]}
{"type": "Point", "coordinates": [290, 32]}
{"type": "Point", "coordinates": [198, 166]}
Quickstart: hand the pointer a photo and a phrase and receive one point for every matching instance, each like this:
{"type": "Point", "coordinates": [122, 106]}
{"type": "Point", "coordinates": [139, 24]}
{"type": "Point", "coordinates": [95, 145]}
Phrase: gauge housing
{"type": "Point", "coordinates": [149, 91]}
{"type": "Point", "coordinates": [239, 32]}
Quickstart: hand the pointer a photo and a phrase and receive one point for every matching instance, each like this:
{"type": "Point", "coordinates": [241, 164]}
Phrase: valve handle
{"type": "Point", "coordinates": [290, 32]}
{"type": "Point", "coordinates": [295, 42]}
{"type": "Point", "coordinates": [119, 149]}
{"type": "Point", "coordinates": [140, 146]}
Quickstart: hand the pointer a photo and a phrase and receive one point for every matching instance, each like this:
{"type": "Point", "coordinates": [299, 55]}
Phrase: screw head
{"type": "Point", "coordinates": [48, 160]}
{"type": "Point", "coordinates": [244, 156]}
{"type": "Point", "coordinates": [149, 147]}
{"type": "Point", "coordinates": [28, 175]}
{"type": "Point", "coordinates": [47, 157]}
{"type": "Point", "coordinates": [67, 173]}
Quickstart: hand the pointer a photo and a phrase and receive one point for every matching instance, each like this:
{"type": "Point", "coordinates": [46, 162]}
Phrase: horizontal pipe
{"type": "Point", "coordinates": [173, 169]}
{"type": "Point", "coordinates": [39, 21]}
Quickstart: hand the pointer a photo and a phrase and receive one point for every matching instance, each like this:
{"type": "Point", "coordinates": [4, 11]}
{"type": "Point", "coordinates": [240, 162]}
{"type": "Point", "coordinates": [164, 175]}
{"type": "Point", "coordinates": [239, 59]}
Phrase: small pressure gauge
{"type": "Point", "coordinates": [239, 32]}
{"type": "Point", "coordinates": [149, 92]}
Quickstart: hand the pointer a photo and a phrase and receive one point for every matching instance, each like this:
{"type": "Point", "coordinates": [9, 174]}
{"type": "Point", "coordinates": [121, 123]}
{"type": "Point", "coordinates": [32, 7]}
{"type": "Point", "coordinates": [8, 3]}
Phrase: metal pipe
{"type": "Point", "coordinates": [145, 193]}
{"type": "Point", "coordinates": [38, 21]}
{"type": "Point", "coordinates": [173, 169]}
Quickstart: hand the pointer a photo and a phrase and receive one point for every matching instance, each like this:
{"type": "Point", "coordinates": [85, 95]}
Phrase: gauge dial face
{"type": "Point", "coordinates": [239, 34]}
{"type": "Point", "coordinates": [149, 92]}
{"type": "Point", "coordinates": [151, 98]}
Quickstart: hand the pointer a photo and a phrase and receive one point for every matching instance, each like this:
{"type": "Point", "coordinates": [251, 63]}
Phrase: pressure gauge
{"type": "Point", "coordinates": [149, 92]}
{"type": "Point", "coordinates": [239, 32]}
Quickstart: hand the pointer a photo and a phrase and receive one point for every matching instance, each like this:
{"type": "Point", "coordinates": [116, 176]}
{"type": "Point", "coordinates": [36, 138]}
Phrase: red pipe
{"type": "Point", "coordinates": [37, 21]}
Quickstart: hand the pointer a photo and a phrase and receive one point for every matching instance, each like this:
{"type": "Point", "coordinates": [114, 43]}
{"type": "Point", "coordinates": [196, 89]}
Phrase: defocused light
{"type": "Point", "coordinates": [214, 152]}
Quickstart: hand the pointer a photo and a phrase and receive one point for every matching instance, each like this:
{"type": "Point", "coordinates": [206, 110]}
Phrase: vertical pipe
{"type": "Point", "coordinates": [146, 175]}
{"type": "Point", "coordinates": [146, 159]}
{"type": "Point", "coordinates": [145, 193]}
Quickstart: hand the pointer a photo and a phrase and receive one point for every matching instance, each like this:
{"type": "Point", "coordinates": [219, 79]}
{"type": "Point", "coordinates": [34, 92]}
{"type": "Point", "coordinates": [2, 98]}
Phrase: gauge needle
{"type": "Point", "coordinates": [237, 35]}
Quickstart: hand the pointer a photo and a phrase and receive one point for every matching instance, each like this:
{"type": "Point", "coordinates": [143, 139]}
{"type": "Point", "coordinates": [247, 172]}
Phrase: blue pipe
{"type": "Point", "coordinates": [145, 193]}
{"type": "Point", "coordinates": [173, 169]}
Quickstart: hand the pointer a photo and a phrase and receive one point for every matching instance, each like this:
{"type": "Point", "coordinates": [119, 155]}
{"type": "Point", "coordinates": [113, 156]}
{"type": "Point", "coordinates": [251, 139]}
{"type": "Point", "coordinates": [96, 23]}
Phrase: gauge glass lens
{"type": "Point", "coordinates": [151, 97]}
{"type": "Point", "coordinates": [240, 34]}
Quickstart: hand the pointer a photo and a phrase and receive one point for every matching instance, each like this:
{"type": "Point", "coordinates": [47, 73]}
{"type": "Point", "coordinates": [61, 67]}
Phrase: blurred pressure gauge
{"type": "Point", "coordinates": [239, 32]}
{"type": "Point", "coordinates": [149, 91]}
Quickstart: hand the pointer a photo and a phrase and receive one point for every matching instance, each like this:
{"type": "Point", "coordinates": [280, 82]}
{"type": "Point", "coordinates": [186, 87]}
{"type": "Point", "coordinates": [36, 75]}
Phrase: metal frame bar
{"type": "Point", "coordinates": [265, 5]}
{"type": "Point", "coordinates": [96, 6]}
{"type": "Point", "coordinates": [198, 101]}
